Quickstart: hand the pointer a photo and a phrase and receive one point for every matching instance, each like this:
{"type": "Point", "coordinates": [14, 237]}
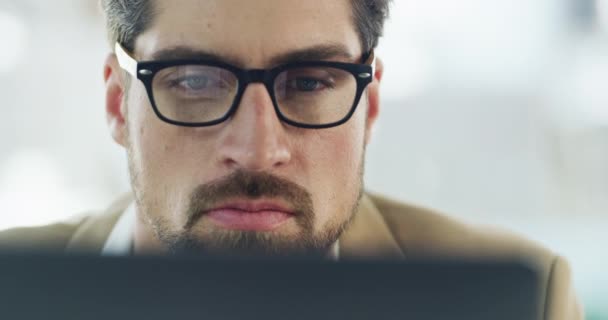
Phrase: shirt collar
{"type": "Point", "coordinates": [120, 241]}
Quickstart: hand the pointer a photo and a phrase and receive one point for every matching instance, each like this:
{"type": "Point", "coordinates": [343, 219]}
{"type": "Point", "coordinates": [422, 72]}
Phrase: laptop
{"type": "Point", "coordinates": [91, 287]}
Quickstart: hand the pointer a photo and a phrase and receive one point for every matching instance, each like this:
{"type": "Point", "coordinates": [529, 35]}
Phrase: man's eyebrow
{"type": "Point", "coordinates": [188, 53]}
{"type": "Point", "coordinates": [315, 53]}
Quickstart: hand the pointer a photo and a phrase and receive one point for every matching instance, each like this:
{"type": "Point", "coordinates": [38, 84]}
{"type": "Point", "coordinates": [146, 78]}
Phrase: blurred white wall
{"type": "Point", "coordinates": [56, 157]}
{"type": "Point", "coordinates": [494, 111]}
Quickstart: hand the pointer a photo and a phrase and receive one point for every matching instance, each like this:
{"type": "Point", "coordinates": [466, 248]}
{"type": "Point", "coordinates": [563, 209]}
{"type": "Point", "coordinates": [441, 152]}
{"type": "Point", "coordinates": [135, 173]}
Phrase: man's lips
{"type": "Point", "coordinates": [250, 216]}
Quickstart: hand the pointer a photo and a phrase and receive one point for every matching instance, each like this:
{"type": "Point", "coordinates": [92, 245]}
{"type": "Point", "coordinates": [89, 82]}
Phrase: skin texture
{"type": "Point", "coordinates": [168, 164]}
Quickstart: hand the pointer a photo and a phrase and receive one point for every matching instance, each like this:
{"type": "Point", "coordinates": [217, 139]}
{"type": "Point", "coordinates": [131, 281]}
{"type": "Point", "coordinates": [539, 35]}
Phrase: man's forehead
{"type": "Point", "coordinates": [251, 33]}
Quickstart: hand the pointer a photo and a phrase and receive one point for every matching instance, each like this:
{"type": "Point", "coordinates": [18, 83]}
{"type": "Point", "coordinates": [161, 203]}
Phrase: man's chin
{"type": "Point", "coordinates": [250, 244]}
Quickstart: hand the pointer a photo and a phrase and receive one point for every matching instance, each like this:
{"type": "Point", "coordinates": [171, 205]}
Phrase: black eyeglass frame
{"type": "Point", "coordinates": [146, 70]}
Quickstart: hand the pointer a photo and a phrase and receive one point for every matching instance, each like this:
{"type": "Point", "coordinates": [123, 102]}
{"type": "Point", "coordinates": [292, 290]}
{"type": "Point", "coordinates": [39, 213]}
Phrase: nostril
{"type": "Point", "coordinates": [230, 163]}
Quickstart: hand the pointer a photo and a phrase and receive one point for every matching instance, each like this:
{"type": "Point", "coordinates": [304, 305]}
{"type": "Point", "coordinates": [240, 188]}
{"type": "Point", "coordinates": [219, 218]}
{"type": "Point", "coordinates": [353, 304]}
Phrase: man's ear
{"type": "Point", "coordinates": [373, 98]}
{"type": "Point", "coordinates": [115, 111]}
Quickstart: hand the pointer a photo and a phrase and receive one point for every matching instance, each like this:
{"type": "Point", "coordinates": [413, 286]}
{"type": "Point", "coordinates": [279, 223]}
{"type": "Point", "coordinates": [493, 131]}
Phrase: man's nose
{"type": "Point", "coordinates": [254, 138]}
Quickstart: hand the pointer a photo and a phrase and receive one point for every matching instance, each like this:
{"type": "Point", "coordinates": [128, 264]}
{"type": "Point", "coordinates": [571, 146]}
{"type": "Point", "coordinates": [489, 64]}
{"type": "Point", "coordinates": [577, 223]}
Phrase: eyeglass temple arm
{"type": "Point", "coordinates": [125, 60]}
{"type": "Point", "coordinates": [371, 61]}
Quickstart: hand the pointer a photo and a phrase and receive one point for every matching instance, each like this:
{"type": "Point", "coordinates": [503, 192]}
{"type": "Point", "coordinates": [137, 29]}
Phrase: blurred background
{"type": "Point", "coordinates": [494, 111]}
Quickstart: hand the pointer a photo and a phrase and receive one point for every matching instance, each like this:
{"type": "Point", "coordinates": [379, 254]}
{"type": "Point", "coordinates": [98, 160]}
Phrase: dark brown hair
{"type": "Point", "coordinates": [127, 19]}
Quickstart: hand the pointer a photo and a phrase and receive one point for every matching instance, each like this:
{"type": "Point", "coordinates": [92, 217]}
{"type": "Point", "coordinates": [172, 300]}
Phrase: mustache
{"type": "Point", "coordinates": [250, 185]}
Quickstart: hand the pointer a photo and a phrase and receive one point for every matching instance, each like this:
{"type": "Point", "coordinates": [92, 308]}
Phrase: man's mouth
{"type": "Point", "coordinates": [250, 215]}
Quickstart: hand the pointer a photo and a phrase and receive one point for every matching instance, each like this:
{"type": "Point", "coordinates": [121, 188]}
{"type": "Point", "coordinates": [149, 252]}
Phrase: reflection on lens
{"type": "Point", "coordinates": [194, 93]}
{"type": "Point", "coordinates": [315, 95]}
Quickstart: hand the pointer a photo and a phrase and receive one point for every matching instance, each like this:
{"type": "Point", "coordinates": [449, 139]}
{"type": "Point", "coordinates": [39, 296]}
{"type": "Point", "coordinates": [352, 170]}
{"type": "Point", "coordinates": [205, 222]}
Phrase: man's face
{"type": "Point", "coordinates": [252, 184]}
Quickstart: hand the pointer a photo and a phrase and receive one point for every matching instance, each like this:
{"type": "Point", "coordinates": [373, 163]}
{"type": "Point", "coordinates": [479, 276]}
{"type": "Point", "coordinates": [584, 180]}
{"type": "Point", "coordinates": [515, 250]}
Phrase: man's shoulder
{"type": "Point", "coordinates": [424, 232]}
{"type": "Point", "coordinates": [86, 231]}
{"type": "Point", "coordinates": [53, 237]}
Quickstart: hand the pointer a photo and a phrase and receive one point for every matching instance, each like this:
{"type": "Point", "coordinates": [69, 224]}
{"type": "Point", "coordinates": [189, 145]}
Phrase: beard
{"type": "Point", "coordinates": [199, 237]}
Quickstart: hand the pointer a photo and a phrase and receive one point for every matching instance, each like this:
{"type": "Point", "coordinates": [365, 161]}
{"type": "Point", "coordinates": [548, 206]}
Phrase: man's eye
{"type": "Point", "coordinates": [193, 83]}
{"type": "Point", "coordinates": [307, 84]}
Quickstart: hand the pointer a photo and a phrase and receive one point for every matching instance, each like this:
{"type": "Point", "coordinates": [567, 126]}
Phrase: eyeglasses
{"type": "Point", "coordinates": [198, 93]}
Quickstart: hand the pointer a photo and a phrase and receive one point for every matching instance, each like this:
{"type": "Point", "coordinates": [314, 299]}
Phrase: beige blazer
{"type": "Point", "coordinates": [381, 229]}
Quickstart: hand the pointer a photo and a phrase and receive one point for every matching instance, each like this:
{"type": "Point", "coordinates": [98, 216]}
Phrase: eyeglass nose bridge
{"type": "Point", "coordinates": [265, 77]}
{"type": "Point", "coordinates": [246, 77]}
{"type": "Point", "coordinates": [256, 76]}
